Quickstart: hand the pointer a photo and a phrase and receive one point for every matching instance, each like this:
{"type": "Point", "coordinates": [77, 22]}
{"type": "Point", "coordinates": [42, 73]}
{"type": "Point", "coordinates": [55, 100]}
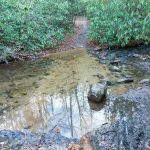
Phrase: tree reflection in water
{"type": "Point", "coordinates": [51, 94]}
{"type": "Point", "coordinates": [68, 111]}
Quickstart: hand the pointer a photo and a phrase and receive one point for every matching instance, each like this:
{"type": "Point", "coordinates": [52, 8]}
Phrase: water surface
{"type": "Point", "coordinates": [51, 94]}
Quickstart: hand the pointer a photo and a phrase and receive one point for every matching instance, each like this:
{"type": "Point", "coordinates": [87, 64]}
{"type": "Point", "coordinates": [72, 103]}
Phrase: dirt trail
{"type": "Point", "coordinates": [79, 39]}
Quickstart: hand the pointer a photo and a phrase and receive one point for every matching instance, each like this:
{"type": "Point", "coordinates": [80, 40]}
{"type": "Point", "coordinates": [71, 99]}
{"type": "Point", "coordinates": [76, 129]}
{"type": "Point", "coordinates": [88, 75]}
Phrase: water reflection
{"type": "Point", "coordinates": [69, 112]}
{"type": "Point", "coordinates": [53, 96]}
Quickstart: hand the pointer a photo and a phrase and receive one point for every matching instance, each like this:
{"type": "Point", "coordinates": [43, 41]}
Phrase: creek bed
{"type": "Point", "coordinates": [50, 95]}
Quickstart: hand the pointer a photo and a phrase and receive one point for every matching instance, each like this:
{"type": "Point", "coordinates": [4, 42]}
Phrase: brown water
{"type": "Point", "coordinates": [51, 94]}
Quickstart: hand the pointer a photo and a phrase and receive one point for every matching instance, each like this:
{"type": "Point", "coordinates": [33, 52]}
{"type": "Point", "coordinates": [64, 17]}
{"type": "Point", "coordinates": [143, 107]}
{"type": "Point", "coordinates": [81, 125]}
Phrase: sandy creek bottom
{"type": "Point", "coordinates": [51, 94]}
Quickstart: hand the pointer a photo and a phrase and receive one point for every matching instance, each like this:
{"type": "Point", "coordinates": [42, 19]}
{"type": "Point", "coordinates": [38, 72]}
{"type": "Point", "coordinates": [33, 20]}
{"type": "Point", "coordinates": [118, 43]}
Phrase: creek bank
{"type": "Point", "coordinates": [137, 56]}
{"type": "Point", "coordinates": [129, 132]}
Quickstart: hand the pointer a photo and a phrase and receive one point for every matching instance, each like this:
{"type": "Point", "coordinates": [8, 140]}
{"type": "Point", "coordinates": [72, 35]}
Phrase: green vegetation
{"type": "Point", "coordinates": [32, 25]}
{"type": "Point", "coordinates": [119, 22]}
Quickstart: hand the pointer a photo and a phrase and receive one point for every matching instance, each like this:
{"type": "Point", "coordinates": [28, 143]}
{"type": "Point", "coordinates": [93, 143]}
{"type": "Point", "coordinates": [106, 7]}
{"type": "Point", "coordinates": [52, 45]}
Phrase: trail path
{"type": "Point", "coordinates": [79, 39]}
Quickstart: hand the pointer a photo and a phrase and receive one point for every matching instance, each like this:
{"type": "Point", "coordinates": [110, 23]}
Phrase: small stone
{"type": "Point", "coordinates": [115, 62]}
{"type": "Point", "coordinates": [31, 75]}
{"type": "Point", "coordinates": [57, 130]}
{"type": "Point", "coordinates": [99, 76]}
{"type": "Point", "coordinates": [115, 69]}
{"type": "Point", "coordinates": [127, 76]}
{"type": "Point", "coordinates": [11, 96]}
{"type": "Point", "coordinates": [24, 93]}
{"type": "Point", "coordinates": [109, 83]}
{"type": "Point", "coordinates": [125, 80]}
{"type": "Point", "coordinates": [73, 47]}
{"type": "Point", "coordinates": [46, 73]}
{"type": "Point", "coordinates": [144, 81]}
{"type": "Point", "coordinates": [97, 48]}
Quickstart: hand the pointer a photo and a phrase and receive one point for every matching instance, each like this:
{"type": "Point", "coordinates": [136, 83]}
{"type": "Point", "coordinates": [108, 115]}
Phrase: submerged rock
{"type": "Point", "coordinates": [97, 92]}
{"type": "Point", "coordinates": [97, 106]}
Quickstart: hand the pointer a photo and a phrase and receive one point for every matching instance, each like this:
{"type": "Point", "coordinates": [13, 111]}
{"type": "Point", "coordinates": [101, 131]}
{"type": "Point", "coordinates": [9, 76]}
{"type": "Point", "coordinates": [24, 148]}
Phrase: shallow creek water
{"type": "Point", "coordinates": [51, 94]}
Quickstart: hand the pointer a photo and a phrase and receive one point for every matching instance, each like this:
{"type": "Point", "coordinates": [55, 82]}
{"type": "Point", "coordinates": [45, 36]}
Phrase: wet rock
{"type": "Point", "coordinates": [28, 126]}
{"type": "Point", "coordinates": [12, 95]}
{"type": "Point", "coordinates": [46, 74]}
{"type": "Point", "coordinates": [97, 48]}
{"type": "Point", "coordinates": [115, 69]}
{"type": "Point", "coordinates": [109, 83]}
{"type": "Point", "coordinates": [144, 81]}
{"type": "Point", "coordinates": [31, 75]}
{"type": "Point", "coordinates": [80, 46]}
{"type": "Point", "coordinates": [127, 75]}
{"type": "Point", "coordinates": [125, 80]}
{"type": "Point", "coordinates": [147, 145]}
{"type": "Point", "coordinates": [97, 92]}
{"type": "Point", "coordinates": [24, 93]}
{"type": "Point", "coordinates": [115, 62]}
{"type": "Point", "coordinates": [100, 76]}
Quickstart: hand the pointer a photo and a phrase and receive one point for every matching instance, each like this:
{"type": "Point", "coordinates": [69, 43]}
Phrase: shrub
{"type": "Point", "coordinates": [32, 25]}
{"type": "Point", "coordinates": [118, 22]}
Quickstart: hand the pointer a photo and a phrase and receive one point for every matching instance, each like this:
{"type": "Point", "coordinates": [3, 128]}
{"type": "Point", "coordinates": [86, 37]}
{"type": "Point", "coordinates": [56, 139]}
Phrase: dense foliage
{"type": "Point", "coordinates": [32, 25]}
{"type": "Point", "coordinates": [119, 22]}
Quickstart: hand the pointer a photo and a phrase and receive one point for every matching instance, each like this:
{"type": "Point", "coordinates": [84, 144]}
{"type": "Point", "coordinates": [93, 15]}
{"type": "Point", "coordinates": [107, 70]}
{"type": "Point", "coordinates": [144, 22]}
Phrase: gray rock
{"type": "Point", "coordinates": [115, 69]}
{"type": "Point", "coordinates": [144, 81]}
{"type": "Point", "coordinates": [125, 80]}
{"type": "Point", "coordinates": [97, 48]}
{"type": "Point", "coordinates": [97, 92]}
{"type": "Point", "coordinates": [109, 83]}
{"type": "Point", "coordinates": [115, 62]}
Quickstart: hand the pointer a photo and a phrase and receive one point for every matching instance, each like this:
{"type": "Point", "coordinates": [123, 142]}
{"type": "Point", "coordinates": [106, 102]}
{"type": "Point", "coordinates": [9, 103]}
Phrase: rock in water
{"type": "Point", "coordinates": [125, 80]}
{"type": "Point", "coordinates": [115, 69]}
{"type": "Point", "coordinates": [97, 93]}
{"type": "Point", "coordinates": [115, 62]}
{"type": "Point", "coordinates": [144, 81]}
